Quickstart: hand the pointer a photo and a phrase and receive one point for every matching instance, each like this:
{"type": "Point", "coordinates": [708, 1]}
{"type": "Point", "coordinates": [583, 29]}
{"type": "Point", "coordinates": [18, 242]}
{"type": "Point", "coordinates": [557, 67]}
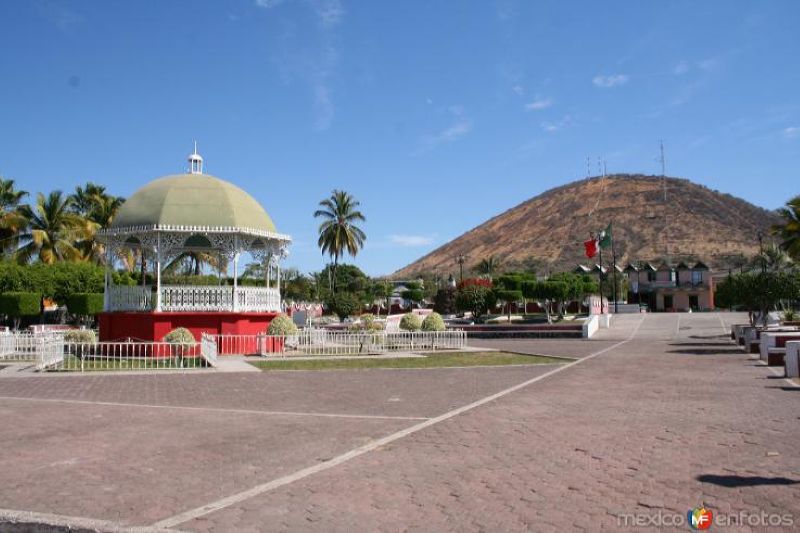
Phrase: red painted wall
{"type": "Point", "coordinates": [153, 326]}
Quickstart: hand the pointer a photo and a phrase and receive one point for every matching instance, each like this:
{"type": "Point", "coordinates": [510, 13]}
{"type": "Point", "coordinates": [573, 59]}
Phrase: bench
{"type": "Point", "coordinates": [792, 359]}
{"type": "Point", "coordinates": [773, 346]}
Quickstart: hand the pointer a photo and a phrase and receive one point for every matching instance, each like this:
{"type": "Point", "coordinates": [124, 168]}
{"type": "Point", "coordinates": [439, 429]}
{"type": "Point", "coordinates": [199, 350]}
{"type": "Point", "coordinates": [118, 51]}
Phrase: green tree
{"type": "Point", "coordinates": [488, 266]}
{"type": "Point", "coordinates": [476, 299]}
{"type": "Point", "coordinates": [758, 292]}
{"type": "Point", "coordinates": [52, 230]}
{"type": "Point", "coordinates": [11, 221]}
{"type": "Point", "coordinates": [507, 297]}
{"type": "Point", "coordinates": [338, 232]}
{"type": "Point", "coordinates": [789, 230]}
{"type": "Point", "coordinates": [773, 259]}
{"type": "Point", "coordinates": [413, 292]}
{"type": "Point", "coordinates": [344, 304]}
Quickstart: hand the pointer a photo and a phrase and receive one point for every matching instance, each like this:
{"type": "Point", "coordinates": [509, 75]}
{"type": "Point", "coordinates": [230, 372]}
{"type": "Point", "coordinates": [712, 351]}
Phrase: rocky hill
{"type": "Point", "coordinates": [547, 232]}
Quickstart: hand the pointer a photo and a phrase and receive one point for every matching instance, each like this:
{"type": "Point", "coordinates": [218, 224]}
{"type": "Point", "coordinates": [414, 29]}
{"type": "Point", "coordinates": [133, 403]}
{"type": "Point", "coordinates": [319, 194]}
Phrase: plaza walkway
{"type": "Point", "coordinates": [659, 414]}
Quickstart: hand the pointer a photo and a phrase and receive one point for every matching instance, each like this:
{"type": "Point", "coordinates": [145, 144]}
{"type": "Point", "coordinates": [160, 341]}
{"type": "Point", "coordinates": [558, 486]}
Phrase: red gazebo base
{"type": "Point", "coordinates": [152, 326]}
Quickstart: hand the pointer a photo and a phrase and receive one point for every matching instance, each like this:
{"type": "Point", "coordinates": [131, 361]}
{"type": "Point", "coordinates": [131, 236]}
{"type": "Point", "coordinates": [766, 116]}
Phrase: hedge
{"type": "Point", "coordinates": [19, 304]}
{"type": "Point", "coordinates": [57, 281]}
{"type": "Point", "coordinates": [85, 303]}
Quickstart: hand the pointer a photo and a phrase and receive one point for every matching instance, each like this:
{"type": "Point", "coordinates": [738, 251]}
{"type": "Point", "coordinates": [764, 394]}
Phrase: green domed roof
{"type": "Point", "coordinates": [193, 200]}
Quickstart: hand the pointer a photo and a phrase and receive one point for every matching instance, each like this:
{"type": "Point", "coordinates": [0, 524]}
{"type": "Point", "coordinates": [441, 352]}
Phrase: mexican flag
{"type": "Point", "coordinates": [604, 239]}
{"type": "Point", "coordinates": [591, 247]}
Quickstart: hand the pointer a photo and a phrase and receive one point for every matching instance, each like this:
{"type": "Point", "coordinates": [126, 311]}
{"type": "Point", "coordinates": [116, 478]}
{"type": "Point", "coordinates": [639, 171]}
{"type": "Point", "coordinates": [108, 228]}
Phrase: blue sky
{"type": "Point", "coordinates": [436, 115]}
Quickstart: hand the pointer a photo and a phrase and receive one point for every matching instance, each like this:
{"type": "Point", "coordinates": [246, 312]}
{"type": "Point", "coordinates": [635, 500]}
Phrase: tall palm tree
{"type": "Point", "coordinates": [11, 221]}
{"type": "Point", "coordinates": [488, 266]}
{"type": "Point", "coordinates": [99, 211]}
{"type": "Point", "coordinates": [338, 232]}
{"type": "Point", "coordinates": [789, 231]}
{"type": "Point", "coordinates": [52, 230]}
{"type": "Point", "coordinates": [773, 259]}
{"type": "Point", "coordinates": [85, 198]}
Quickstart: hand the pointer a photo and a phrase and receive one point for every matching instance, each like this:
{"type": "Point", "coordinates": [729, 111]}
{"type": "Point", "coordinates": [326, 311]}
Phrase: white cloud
{"type": "Point", "coordinates": [461, 126]}
{"type": "Point", "coordinates": [681, 68]}
{"type": "Point", "coordinates": [314, 65]}
{"type": "Point", "coordinates": [539, 104]}
{"type": "Point", "coordinates": [519, 89]}
{"type": "Point", "coordinates": [411, 240]}
{"type": "Point", "coordinates": [612, 80]}
{"type": "Point", "coordinates": [791, 132]}
{"type": "Point", "coordinates": [329, 12]}
{"type": "Point", "coordinates": [551, 127]}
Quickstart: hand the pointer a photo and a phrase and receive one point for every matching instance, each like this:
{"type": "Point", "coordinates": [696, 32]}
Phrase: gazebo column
{"type": "Point", "coordinates": [278, 275]}
{"type": "Point", "coordinates": [158, 273]}
{"type": "Point", "coordinates": [236, 281]}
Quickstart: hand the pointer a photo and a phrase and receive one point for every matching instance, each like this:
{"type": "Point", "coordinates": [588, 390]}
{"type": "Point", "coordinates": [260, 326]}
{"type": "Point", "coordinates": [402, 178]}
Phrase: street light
{"type": "Point", "coordinates": [461, 259]}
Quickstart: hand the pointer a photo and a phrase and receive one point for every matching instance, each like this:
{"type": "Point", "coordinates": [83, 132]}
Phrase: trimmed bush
{"type": "Point", "coordinates": [433, 322]}
{"type": "Point", "coordinates": [344, 304]}
{"type": "Point", "coordinates": [85, 303]}
{"type": "Point", "coordinates": [282, 325]}
{"type": "Point", "coordinates": [19, 304]}
{"type": "Point", "coordinates": [83, 336]}
{"type": "Point", "coordinates": [410, 322]}
{"type": "Point", "coordinates": [180, 336]}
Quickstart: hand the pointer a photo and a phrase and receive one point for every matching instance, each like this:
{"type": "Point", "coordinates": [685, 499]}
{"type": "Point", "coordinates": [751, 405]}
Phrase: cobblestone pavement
{"type": "Point", "coordinates": [670, 419]}
{"type": "Point", "coordinates": [663, 423]}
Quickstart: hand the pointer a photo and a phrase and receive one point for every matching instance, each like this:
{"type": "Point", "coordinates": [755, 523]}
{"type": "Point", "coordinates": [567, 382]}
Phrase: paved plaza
{"type": "Point", "coordinates": [657, 415]}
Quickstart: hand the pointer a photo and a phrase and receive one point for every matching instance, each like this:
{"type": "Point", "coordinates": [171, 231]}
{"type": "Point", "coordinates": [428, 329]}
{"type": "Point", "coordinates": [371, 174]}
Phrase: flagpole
{"type": "Point", "coordinates": [601, 281]}
{"type": "Point", "coordinates": [614, 270]}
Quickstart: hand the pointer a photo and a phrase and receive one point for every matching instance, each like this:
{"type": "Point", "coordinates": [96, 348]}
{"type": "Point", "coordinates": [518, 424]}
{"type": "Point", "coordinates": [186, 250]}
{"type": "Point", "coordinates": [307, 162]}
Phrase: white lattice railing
{"type": "Point", "coordinates": [195, 298]}
{"type": "Point", "coordinates": [130, 298]}
{"type": "Point", "coordinates": [258, 299]}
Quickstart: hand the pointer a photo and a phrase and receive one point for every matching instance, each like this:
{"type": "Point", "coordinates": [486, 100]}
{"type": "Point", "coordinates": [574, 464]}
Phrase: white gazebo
{"type": "Point", "coordinates": [194, 213]}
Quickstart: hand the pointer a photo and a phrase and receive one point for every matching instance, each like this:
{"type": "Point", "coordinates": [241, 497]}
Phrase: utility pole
{"type": "Point", "coordinates": [761, 251]}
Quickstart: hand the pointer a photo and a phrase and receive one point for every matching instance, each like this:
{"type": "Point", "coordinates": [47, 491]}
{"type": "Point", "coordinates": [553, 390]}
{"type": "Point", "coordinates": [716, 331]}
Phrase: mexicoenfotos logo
{"type": "Point", "coordinates": [700, 517]}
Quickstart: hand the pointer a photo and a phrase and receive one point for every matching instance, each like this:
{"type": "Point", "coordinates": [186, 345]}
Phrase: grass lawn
{"type": "Point", "coordinates": [433, 360]}
{"type": "Point", "coordinates": [72, 363]}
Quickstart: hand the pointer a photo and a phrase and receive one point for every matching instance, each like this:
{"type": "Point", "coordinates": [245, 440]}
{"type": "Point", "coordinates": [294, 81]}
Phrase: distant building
{"type": "Point", "coordinates": [665, 287]}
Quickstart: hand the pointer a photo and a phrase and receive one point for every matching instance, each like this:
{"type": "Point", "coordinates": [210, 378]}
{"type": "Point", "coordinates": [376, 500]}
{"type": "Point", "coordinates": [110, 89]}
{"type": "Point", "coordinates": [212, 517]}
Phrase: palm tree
{"type": "Point", "coordinates": [789, 231]}
{"type": "Point", "coordinates": [99, 210]}
{"type": "Point", "coordinates": [52, 230]}
{"type": "Point", "coordinates": [85, 198]}
{"type": "Point", "coordinates": [773, 259]}
{"type": "Point", "coordinates": [488, 266]}
{"type": "Point", "coordinates": [338, 232]}
{"type": "Point", "coordinates": [11, 222]}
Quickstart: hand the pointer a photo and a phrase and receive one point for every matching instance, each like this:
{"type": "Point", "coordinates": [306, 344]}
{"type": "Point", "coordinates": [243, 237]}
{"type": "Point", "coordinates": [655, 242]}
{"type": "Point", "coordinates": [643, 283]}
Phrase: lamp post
{"type": "Point", "coordinates": [461, 259]}
{"type": "Point", "coordinates": [761, 251]}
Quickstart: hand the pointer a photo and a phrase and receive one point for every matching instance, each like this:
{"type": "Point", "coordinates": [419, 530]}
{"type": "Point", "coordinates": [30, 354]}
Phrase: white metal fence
{"type": "Point", "coordinates": [50, 352]}
{"type": "Point", "coordinates": [21, 346]}
{"type": "Point", "coordinates": [328, 342]}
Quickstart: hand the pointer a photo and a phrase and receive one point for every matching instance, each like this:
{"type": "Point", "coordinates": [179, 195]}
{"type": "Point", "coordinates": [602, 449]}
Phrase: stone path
{"type": "Point", "coordinates": [668, 416]}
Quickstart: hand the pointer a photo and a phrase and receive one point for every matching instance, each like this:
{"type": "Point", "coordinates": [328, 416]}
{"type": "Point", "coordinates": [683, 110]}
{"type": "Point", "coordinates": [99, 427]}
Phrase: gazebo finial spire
{"type": "Point", "coordinates": [195, 161]}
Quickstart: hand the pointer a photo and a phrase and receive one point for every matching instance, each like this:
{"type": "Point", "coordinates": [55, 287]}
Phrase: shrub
{"type": "Point", "coordinates": [181, 337]}
{"type": "Point", "coordinates": [282, 325]}
{"type": "Point", "coordinates": [445, 301]}
{"type": "Point", "coordinates": [83, 336]}
{"type": "Point", "coordinates": [433, 322]}
{"type": "Point", "coordinates": [344, 304]}
{"type": "Point", "coordinates": [475, 297]}
{"type": "Point", "coordinates": [20, 304]}
{"type": "Point", "coordinates": [85, 303]}
{"type": "Point", "coordinates": [790, 315]}
{"type": "Point", "coordinates": [410, 322]}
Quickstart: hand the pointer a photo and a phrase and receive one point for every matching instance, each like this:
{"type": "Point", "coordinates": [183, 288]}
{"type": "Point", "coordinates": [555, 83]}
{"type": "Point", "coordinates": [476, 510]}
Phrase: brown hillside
{"type": "Point", "coordinates": [695, 223]}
